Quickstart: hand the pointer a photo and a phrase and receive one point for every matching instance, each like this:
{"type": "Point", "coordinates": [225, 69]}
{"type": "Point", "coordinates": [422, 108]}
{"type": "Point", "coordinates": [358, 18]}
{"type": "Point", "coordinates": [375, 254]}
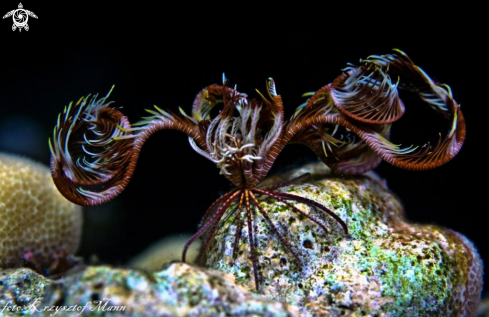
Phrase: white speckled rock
{"type": "Point", "coordinates": [178, 289]}
{"type": "Point", "coordinates": [386, 267]}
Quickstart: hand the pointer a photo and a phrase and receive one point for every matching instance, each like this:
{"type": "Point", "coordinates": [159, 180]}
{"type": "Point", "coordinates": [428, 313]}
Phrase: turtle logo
{"type": "Point", "coordinates": [20, 17]}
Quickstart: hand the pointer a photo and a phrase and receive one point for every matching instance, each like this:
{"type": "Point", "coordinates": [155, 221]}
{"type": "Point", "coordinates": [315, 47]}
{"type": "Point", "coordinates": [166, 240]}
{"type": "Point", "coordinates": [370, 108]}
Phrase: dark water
{"type": "Point", "coordinates": [72, 51]}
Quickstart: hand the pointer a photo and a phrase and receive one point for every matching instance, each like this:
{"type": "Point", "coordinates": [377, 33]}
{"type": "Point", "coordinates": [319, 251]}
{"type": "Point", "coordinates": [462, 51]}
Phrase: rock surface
{"type": "Point", "coordinates": [385, 267]}
{"type": "Point", "coordinates": [178, 289]}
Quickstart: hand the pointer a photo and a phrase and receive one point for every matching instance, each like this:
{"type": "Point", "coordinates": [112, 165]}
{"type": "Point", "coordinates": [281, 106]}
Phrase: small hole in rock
{"type": "Point", "coordinates": [307, 244]}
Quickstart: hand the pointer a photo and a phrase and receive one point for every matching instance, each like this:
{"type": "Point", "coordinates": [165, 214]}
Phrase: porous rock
{"type": "Point", "coordinates": [178, 289]}
{"type": "Point", "coordinates": [386, 266]}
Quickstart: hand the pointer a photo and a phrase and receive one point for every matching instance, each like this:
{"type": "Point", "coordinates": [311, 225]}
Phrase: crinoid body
{"type": "Point", "coordinates": [346, 123]}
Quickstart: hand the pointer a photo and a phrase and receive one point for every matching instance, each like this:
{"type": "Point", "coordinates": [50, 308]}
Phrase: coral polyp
{"type": "Point", "coordinates": [39, 227]}
{"type": "Point", "coordinates": [346, 123]}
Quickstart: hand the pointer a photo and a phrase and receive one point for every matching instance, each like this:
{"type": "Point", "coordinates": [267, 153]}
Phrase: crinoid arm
{"type": "Point", "coordinates": [245, 137]}
{"type": "Point", "coordinates": [244, 205]}
{"type": "Point", "coordinates": [347, 123]}
{"type": "Point", "coordinates": [94, 149]}
{"type": "Point", "coordinates": [83, 152]}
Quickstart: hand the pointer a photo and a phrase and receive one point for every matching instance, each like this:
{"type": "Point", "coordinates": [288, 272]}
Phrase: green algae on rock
{"type": "Point", "coordinates": [178, 289]}
{"type": "Point", "coordinates": [386, 267]}
{"type": "Point", "coordinates": [20, 289]}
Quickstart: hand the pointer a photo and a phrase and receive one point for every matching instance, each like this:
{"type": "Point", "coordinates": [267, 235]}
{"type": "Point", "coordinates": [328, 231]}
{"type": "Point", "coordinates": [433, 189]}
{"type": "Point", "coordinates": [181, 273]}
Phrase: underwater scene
{"type": "Point", "coordinates": [176, 163]}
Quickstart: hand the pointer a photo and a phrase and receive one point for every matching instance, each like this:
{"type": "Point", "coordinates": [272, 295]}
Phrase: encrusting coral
{"type": "Point", "coordinates": [38, 226]}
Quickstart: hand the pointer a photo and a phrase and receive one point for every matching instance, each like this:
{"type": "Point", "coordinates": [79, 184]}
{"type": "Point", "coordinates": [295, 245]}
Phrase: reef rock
{"type": "Point", "coordinates": [178, 289]}
{"type": "Point", "coordinates": [386, 266]}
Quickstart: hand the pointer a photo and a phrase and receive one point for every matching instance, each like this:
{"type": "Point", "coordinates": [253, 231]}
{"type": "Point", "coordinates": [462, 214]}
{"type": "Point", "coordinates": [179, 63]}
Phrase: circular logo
{"type": "Point", "coordinates": [20, 16]}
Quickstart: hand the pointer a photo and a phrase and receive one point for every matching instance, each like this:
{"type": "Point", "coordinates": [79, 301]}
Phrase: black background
{"type": "Point", "coordinates": [166, 54]}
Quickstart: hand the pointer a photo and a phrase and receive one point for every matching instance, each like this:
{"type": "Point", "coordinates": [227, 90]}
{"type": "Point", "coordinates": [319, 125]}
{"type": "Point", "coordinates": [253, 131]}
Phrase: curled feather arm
{"type": "Point", "coordinates": [94, 149]}
{"type": "Point", "coordinates": [347, 123]}
{"type": "Point", "coordinates": [245, 137]}
{"type": "Point", "coordinates": [84, 153]}
{"type": "Point", "coordinates": [334, 137]}
{"type": "Point", "coordinates": [367, 94]}
{"type": "Point", "coordinates": [427, 156]}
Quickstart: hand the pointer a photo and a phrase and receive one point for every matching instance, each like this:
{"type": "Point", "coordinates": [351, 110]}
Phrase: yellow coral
{"type": "Point", "coordinates": [37, 223]}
